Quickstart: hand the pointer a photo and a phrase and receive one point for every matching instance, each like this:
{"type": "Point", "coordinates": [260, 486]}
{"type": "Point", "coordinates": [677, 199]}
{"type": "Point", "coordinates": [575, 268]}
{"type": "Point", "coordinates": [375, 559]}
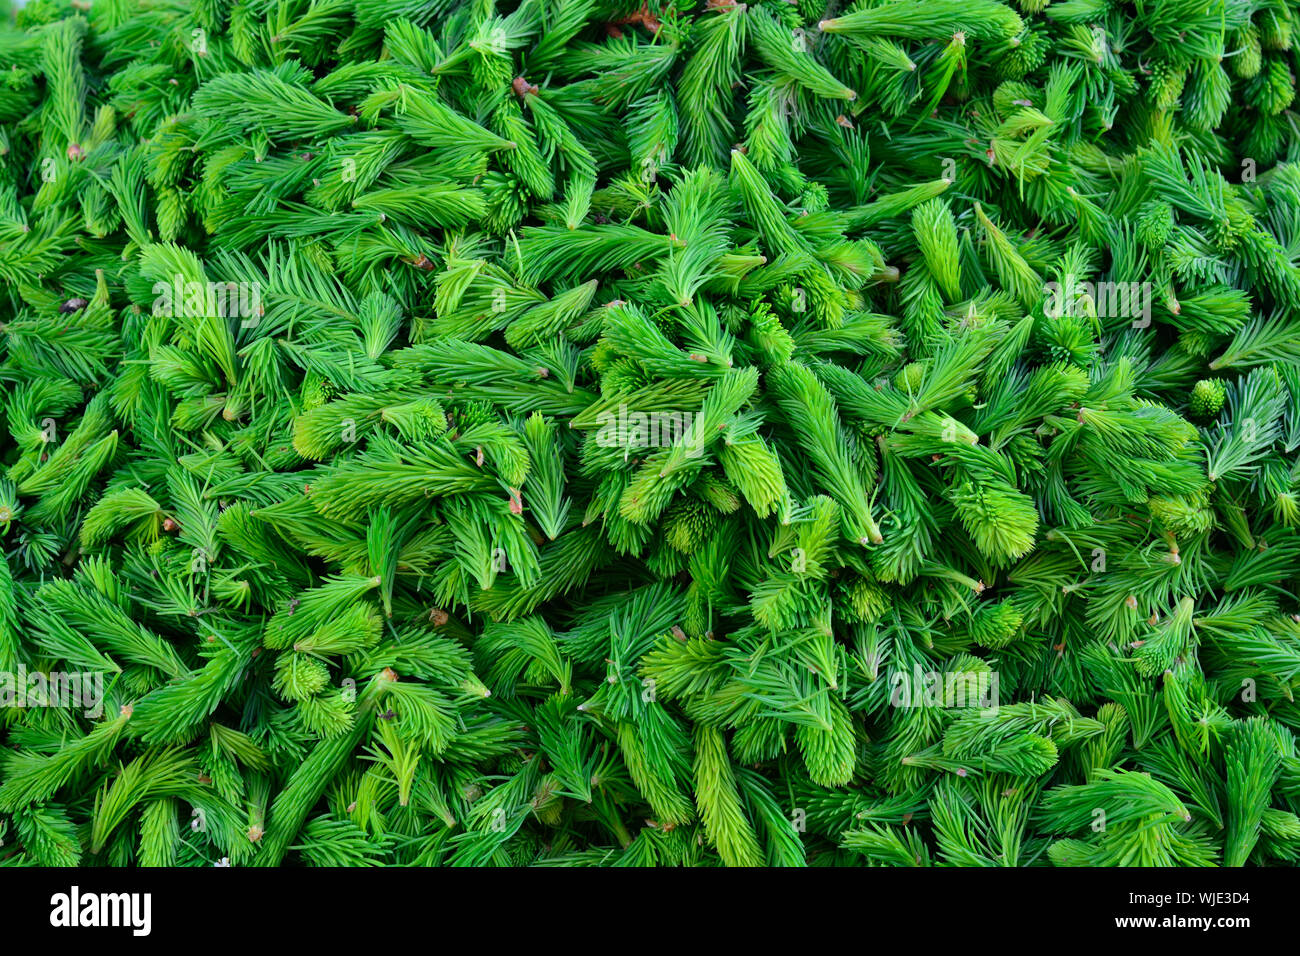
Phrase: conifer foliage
{"type": "Point", "coordinates": [562, 432]}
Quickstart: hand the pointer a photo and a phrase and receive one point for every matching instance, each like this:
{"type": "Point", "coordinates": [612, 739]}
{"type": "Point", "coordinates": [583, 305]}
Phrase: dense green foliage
{"type": "Point", "coordinates": [559, 433]}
